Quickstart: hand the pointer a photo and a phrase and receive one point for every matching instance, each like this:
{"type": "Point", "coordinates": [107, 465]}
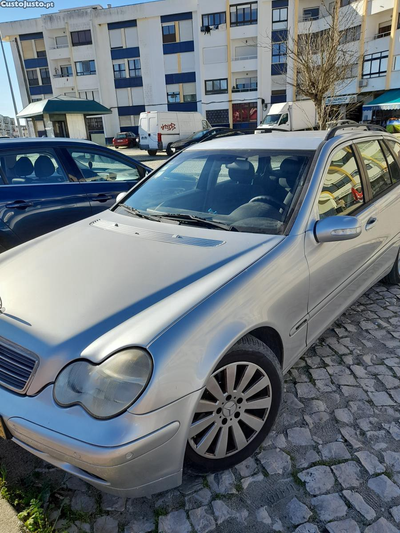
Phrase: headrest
{"type": "Point", "coordinates": [44, 167]}
{"type": "Point", "coordinates": [241, 172]}
{"type": "Point", "coordinates": [289, 172]}
{"type": "Point", "coordinates": [23, 167]}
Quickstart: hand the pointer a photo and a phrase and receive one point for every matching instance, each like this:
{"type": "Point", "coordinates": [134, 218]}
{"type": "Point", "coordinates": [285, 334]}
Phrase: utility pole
{"type": "Point", "coordinates": [11, 88]}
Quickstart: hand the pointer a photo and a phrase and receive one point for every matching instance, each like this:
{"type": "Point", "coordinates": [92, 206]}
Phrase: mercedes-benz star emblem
{"type": "Point", "coordinates": [2, 309]}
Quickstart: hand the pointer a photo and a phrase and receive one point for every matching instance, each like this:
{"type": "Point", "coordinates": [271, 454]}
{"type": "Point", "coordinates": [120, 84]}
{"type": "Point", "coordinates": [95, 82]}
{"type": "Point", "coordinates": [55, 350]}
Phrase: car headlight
{"type": "Point", "coordinates": [107, 389]}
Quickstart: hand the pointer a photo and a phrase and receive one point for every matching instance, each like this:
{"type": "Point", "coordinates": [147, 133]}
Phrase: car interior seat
{"type": "Point", "coordinates": [45, 169]}
{"type": "Point", "coordinates": [22, 169]}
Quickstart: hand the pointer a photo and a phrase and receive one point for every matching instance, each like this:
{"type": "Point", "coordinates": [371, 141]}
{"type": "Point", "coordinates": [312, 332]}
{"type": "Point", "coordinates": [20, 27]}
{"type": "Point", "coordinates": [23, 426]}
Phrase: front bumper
{"type": "Point", "coordinates": [131, 455]}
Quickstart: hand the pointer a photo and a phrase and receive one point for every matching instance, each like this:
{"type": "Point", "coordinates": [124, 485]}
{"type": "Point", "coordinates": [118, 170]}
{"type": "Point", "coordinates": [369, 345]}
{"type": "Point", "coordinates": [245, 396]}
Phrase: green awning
{"type": "Point", "coordinates": [63, 105]}
{"type": "Point", "coordinates": [388, 100]}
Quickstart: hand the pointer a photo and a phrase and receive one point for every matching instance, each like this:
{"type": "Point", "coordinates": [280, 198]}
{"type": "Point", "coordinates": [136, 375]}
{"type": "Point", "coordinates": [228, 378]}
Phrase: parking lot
{"type": "Point", "coordinates": [141, 155]}
{"type": "Point", "coordinates": [331, 464]}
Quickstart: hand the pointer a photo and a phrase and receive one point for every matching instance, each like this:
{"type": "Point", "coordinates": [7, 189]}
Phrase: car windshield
{"type": "Point", "coordinates": [198, 135]}
{"type": "Point", "coordinates": [245, 190]}
{"type": "Point", "coordinates": [271, 119]}
{"type": "Point", "coordinates": [121, 136]}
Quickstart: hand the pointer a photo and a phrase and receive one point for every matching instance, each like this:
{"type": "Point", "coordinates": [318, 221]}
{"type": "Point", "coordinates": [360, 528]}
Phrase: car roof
{"type": "Point", "coordinates": [15, 142]}
{"type": "Point", "coordinates": [279, 140]}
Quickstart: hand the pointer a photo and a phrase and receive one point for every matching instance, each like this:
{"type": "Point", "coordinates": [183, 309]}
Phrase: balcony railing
{"type": "Point", "coordinates": [382, 35]}
{"type": "Point", "coordinates": [243, 58]}
{"type": "Point", "coordinates": [310, 19]}
{"type": "Point", "coordinates": [243, 89]}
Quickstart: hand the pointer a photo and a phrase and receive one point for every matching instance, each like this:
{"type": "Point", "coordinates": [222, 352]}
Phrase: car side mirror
{"type": "Point", "coordinates": [120, 197]}
{"type": "Point", "coordinates": [337, 228]}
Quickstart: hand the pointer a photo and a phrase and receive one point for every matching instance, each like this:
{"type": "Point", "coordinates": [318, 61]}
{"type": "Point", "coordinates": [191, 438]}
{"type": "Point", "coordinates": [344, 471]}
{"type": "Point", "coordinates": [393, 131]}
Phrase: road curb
{"type": "Point", "coordinates": [9, 522]}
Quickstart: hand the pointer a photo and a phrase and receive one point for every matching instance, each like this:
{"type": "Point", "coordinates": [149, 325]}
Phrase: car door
{"type": "Point", "coordinates": [38, 195]}
{"type": "Point", "coordinates": [341, 271]}
{"type": "Point", "coordinates": [103, 176]}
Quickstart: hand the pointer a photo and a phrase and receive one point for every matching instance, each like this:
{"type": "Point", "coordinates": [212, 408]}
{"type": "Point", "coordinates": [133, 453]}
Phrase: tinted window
{"type": "Point", "coordinates": [376, 165]}
{"type": "Point", "coordinates": [32, 168]}
{"type": "Point", "coordinates": [97, 167]}
{"type": "Point", "coordinates": [395, 146]}
{"type": "Point", "coordinates": [392, 164]}
{"type": "Point", "coordinates": [342, 191]}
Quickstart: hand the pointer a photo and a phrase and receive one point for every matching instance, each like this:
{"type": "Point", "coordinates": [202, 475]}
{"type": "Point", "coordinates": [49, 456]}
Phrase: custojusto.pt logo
{"type": "Point", "coordinates": [25, 4]}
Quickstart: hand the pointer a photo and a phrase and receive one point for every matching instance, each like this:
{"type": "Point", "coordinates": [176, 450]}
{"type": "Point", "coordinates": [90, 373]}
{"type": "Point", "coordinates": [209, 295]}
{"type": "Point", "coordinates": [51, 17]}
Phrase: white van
{"type": "Point", "coordinates": [289, 116]}
{"type": "Point", "coordinates": [158, 129]}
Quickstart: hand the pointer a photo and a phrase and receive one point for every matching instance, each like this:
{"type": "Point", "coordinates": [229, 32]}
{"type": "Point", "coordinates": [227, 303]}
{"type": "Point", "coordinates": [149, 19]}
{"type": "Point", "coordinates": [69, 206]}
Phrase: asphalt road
{"type": "Point", "coordinates": [144, 157]}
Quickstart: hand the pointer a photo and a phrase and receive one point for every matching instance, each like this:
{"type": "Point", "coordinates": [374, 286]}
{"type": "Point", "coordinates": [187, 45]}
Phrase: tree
{"type": "Point", "coordinates": [321, 63]}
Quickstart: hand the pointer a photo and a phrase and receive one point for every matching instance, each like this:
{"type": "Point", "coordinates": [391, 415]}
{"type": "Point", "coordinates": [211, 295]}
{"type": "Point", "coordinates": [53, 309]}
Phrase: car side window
{"type": "Point", "coordinates": [96, 167]}
{"type": "Point", "coordinates": [376, 166]}
{"type": "Point", "coordinates": [32, 168]}
{"type": "Point", "coordinates": [392, 164]}
{"type": "Point", "coordinates": [395, 146]}
{"type": "Point", "coordinates": [342, 192]}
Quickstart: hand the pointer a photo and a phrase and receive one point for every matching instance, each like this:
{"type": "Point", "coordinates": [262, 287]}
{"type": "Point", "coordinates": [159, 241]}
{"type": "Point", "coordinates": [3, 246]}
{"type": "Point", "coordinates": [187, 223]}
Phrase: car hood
{"type": "Point", "coordinates": [66, 289]}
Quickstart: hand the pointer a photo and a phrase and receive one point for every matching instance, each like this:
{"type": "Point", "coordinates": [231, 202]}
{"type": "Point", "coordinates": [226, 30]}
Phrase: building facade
{"type": "Point", "coordinates": [8, 127]}
{"type": "Point", "coordinates": [223, 58]}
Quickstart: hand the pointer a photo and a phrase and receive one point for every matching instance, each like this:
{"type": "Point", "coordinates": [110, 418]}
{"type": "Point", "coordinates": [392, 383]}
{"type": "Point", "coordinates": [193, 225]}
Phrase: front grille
{"type": "Point", "coordinates": [16, 366]}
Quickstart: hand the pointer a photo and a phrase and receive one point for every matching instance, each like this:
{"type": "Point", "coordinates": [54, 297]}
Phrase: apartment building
{"type": "Point", "coordinates": [223, 58]}
{"type": "Point", "coordinates": [8, 127]}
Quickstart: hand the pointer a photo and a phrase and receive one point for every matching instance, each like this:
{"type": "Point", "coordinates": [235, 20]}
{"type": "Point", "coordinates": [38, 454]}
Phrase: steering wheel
{"type": "Point", "coordinates": [269, 200]}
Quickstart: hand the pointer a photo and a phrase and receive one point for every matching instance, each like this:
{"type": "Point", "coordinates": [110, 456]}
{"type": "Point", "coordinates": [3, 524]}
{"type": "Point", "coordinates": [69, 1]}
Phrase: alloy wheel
{"type": "Point", "coordinates": [232, 410]}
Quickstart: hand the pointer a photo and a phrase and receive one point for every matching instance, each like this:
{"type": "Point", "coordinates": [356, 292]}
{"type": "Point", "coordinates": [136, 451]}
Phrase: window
{"type": "Point", "coordinates": [40, 48]}
{"type": "Point", "coordinates": [311, 13]}
{"type": "Point", "coordinates": [278, 52]}
{"type": "Point", "coordinates": [214, 19]}
{"type": "Point", "coordinates": [376, 165]}
{"type": "Point", "coordinates": [94, 124]}
{"type": "Point", "coordinates": [185, 30]}
{"type": "Point", "coordinates": [350, 35]}
{"type": "Point", "coordinates": [396, 63]}
{"type": "Point", "coordinates": [62, 41]}
{"type": "Point", "coordinates": [89, 95]}
{"type": "Point", "coordinates": [245, 84]}
{"type": "Point", "coordinates": [80, 38]}
{"type": "Point", "coordinates": [217, 86]}
{"type": "Point", "coordinates": [280, 18]}
{"type": "Point", "coordinates": [392, 163]}
{"type": "Point", "coordinates": [375, 65]}
{"type": "Point", "coordinates": [246, 52]}
{"type": "Point", "coordinates": [33, 78]}
{"type": "Point", "coordinates": [168, 33]}
{"type": "Point", "coordinates": [342, 192]}
{"type": "Point", "coordinates": [115, 39]}
{"type": "Point", "coordinates": [119, 70]}
{"type": "Point", "coordinates": [244, 14]}
{"type": "Point", "coordinates": [32, 168]}
{"type": "Point", "coordinates": [246, 112]}
{"type": "Point", "coordinates": [66, 71]}
{"type": "Point", "coordinates": [278, 96]}
{"type": "Point", "coordinates": [85, 68]}
{"type": "Point", "coordinates": [173, 97]}
{"type": "Point", "coordinates": [134, 68]}
{"type": "Point", "coordinates": [27, 49]}
{"type": "Point", "coordinates": [384, 29]}
{"type": "Point", "coordinates": [131, 37]}
{"type": "Point", "coordinates": [215, 54]}
{"type": "Point", "coordinates": [94, 167]}
{"type": "Point", "coordinates": [189, 92]}
{"type": "Point", "coordinates": [45, 76]}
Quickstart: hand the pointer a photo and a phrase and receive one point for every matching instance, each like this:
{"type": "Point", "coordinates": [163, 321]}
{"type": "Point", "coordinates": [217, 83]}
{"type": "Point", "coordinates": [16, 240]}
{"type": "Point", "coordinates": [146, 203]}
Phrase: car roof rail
{"type": "Point", "coordinates": [271, 129]}
{"type": "Point", "coordinates": [366, 127]}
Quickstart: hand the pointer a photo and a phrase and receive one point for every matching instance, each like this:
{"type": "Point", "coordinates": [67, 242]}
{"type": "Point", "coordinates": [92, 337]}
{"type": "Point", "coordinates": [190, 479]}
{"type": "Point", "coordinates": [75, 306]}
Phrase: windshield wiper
{"type": "Point", "coordinates": [138, 213]}
{"type": "Point", "coordinates": [186, 218]}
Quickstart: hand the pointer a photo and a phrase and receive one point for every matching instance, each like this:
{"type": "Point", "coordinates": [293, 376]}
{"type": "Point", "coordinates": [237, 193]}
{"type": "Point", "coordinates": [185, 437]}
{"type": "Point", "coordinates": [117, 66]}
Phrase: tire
{"type": "Point", "coordinates": [116, 147]}
{"type": "Point", "coordinates": [152, 152]}
{"type": "Point", "coordinates": [249, 357]}
{"type": "Point", "coordinates": [393, 278]}
{"type": "Point", "coordinates": [170, 151]}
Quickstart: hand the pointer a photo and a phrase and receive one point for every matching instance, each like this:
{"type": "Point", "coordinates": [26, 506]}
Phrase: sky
{"type": "Point", "coordinates": [19, 13]}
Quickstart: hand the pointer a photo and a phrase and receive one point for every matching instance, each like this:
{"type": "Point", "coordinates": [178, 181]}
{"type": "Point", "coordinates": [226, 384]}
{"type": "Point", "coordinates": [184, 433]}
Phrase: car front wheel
{"type": "Point", "coordinates": [170, 150]}
{"type": "Point", "coordinates": [237, 409]}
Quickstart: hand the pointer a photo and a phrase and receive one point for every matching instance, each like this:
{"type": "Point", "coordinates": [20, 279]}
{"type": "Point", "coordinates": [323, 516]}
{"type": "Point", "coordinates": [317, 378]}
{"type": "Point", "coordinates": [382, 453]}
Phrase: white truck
{"type": "Point", "coordinates": [289, 116]}
{"type": "Point", "coordinates": [158, 129]}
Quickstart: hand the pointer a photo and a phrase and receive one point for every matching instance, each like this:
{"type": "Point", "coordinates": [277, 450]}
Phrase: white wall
{"type": "Point", "coordinates": [76, 126]}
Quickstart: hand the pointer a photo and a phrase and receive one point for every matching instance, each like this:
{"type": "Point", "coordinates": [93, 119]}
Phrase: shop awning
{"type": "Point", "coordinates": [63, 105]}
{"type": "Point", "coordinates": [387, 101]}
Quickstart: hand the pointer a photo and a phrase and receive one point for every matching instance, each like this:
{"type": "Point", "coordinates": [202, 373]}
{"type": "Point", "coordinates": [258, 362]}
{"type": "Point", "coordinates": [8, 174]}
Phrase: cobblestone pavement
{"type": "Point", "coordinates": [332, 463]}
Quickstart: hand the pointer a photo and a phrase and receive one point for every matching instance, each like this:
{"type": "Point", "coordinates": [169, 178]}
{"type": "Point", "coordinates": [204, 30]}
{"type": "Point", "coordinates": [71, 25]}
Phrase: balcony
{"type": "Point", "coordinates": [62, 83]}
{"type": "Point", "coordinates": [382, 35]}
{"type": "Point", "coordinates": [244, 89]}
{"type": "Point", "coordinates": [244, 63]}
{"type": "Point", "coordinates": [379, 6]}
{"type": "Point", "coordinates": [58, 53]}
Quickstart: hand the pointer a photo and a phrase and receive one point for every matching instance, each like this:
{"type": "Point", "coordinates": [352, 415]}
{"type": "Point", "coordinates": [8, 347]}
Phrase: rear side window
{"type": "Point", "coordinates": [98, 167]}
{"type": "Point", "coordinates": [392, 164]}
{"type": "Point", "coordinates": [376, 166]}
{"type": "Point", "coordinates": [395, 146]}
{"type": "Point", "coordinates": [32, 168]}
{"type": "Point", "coordinates": [342, 191]}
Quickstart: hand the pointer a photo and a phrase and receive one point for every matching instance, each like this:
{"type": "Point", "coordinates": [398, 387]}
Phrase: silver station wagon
{"type": "Point", "coordinates": [155, 336]}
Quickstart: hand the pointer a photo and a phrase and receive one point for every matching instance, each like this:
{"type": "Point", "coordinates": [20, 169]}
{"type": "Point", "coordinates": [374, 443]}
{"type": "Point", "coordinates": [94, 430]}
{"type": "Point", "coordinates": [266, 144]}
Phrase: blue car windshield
{"type": "Point", "coordinates": [247, 190]}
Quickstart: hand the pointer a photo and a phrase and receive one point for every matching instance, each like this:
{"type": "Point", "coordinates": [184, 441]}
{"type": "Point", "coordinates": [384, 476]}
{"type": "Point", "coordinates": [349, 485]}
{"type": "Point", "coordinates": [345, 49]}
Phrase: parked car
{"type": "Point", "coordinates": [202, 136]}
{"type": "Point", "coordinates": [124, 139]}
{"type": "Point", "coordinates": [156, 334]}
{"type": "Point", "coordinates": [48, 183]}
{"type": "Point", "coordinates": [341, 122]}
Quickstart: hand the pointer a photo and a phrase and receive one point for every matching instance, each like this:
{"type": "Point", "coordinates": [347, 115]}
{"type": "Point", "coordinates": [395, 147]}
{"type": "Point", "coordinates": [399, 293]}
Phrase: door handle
{"type": "Point", "coordinates": [19, 204]}
{"type": "Point", "coordinates": [371, 222]}
{"type": "Point", "coordinates": [100, 197]}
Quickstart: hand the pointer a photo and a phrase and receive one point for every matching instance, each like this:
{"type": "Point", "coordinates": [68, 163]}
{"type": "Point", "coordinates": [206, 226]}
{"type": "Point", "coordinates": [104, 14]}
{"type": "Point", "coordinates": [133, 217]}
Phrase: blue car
{"type": "Point", "coordinates": [48, 183]}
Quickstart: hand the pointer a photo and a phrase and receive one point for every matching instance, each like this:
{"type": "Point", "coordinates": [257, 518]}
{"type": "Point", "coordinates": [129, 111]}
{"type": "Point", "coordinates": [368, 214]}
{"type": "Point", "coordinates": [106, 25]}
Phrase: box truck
{"type": "Point", "coordinates": [289, 116]}
{"type": "Point", "coordinates": [159, 129]}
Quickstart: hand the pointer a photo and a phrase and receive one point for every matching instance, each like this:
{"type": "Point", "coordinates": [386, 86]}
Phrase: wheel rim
{"type": "Point", "coordinates": [232, 410]}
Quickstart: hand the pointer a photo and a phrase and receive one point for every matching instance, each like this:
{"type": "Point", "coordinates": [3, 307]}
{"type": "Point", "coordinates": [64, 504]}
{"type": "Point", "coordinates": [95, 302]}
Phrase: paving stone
{"type": "Point", "coordinates": [354, 393]}
{"type": "Point", "coordinates": [344, 415]}
{"type": "Point", "coordinates": [275, 461]}
{"type": "Point", "coordinates": [389, 382]}
{"type": "Point", "coordinates": [392, 459]}
{"type": "Point", "coordinates": [334, 451]}
{"type": "Point", "coordinates": [191, 484]}
{"type": "Point", "coordinates": [329, 507]}
{"type": "Point", "coordinates": [306, 390]}
{"type": "Point", "coordinates": [358, 502]}
{"type": "Point", "coordinates": [85, 528]}
{"type": "Point", "coordinates": [291, 400]}
{"type": "Point", "coordinates": [175, 522]}
{"type": "Point", "coordinates": [263, 516]}
{"type": "Point", "coordinates": [140, 525]}
{"type": "Point", "coordinates": [381, 398]}
{"type": "Point", "coordinates": [168, 501]}
{"type": "Point", "coordinates": [223, 512]}
{"type": "Point", "coordinates": [343, 526]}
{"type": "Point", "coordinates": [222, 482]}
{"type": "Point", "coordinates": [395, 393]}
{"type": "Point", "coordinates": [379, 370]}
{"type": "Point", "coordinates": [384, 487]}
{"type": "Point", "coordinates": [369, 385]}
{"type": "Point", "coordinates": [198, 499]}
{"type": "Point", "coordinates": [307, 528]}
{"type": "Point", "coordinates": [247, 467]}
{"type": "Point", "coordinates": [300, 437]}
{"type": "Point", "coordinates": [319, 373]}
{"type": "Point", "coordinates": [360, 409]}
{"type": "Point", "coordinates": [113, 503]}
{"type": "Point", "coordinates": [381, 526]}
{"type": "Point", "coordinates": [395, 512]}
{"type": "Point", "coordinates": [107, 524]}
{"type": "Point", "coordinates": [348, 474]}
{"type": "Point", "coordinates": [315, 406]}
{"type": "Point", "coordinates": [297, 512]}
{"type": "Point", "coordinates": [318, 479]}
{"type": "Point", "coordinates": [304, 461]}
{"type": "Point", "coordinates": [370, 462]}
{"type": "Point", "coordinates": [202, 521]}
{"type": "Point", "coordinates": [368, 424]}
{"type": "Point", "coordinates": [83, 503]}
{"type": "Point", "coordinates": [351, 436]}
{"type": "Point", "coordinates": [394, 430]}
{"type": "Point", "coordinates": [360, 371]}
{"type": "Point", "coordinates": [325, 385]}
{"type": "Point", "coordinates": [258, 478]}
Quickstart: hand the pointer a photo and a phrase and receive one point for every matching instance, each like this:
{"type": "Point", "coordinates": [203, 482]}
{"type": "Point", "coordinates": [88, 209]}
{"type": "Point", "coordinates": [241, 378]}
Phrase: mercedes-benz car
{"type": "Point", "coordinates": [155, 335]}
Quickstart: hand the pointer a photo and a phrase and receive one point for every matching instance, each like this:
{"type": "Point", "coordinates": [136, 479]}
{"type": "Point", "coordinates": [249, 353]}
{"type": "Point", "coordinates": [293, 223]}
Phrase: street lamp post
{"type": "Point", "coordinates": [11, 88]}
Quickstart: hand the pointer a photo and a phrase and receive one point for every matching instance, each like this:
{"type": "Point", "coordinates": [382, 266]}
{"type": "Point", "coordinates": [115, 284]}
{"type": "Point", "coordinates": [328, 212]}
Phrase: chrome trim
{"type": "Point", "coordinates": [8, 345]}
